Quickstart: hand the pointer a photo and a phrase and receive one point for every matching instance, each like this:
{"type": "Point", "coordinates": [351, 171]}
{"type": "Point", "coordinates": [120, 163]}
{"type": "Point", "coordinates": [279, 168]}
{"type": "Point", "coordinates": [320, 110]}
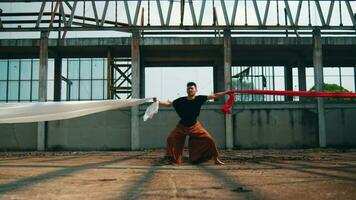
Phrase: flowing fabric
{"type": "Point", "coordinates": [49, 111]}
{"type": "Point", "coordinates": [151, 110]}
{"type": "Point", "coordinates": [227, 106]}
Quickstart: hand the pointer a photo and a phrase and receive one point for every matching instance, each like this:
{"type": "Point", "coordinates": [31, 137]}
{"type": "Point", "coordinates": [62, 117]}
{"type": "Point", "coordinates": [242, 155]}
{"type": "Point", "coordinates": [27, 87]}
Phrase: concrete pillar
{"type": "Point", "coordinates": [219, 78]}
{"type": "Point", "coordinates": [355, 77]}
{"type": "Point", "coordinates": [288, 80]}
{"type": "Point", "coordinates": [319, 80]}
{"type": "Point", "coordinates": [109, 94]}
{"type": "Point", "coordinates": [57, 79]}
{"type": "Point", "coordinates": [42, 88]}
{"type": "Point", "coordinates": [302, 81]}
{"type": "Point", "coordinates": [215, 77]}
{"type": "Point", "coordinates": [135, 67]}
{"type": "Point", "coordinates": [302, 78]}
{"type": "Point", "coordinates": [227, 86]}
{"type": "Point", "coordinates": [142, 76]}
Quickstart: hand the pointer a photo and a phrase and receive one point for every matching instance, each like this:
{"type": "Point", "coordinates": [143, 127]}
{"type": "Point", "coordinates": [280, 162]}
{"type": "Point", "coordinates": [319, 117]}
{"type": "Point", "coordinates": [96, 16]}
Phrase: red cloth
{"type": "Point", "coordinates": [227, 106]}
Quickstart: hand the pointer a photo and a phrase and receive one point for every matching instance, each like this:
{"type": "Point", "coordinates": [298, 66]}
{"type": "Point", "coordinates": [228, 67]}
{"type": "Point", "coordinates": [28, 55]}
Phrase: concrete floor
{"type": "Point", "coordinates": [248, 174]}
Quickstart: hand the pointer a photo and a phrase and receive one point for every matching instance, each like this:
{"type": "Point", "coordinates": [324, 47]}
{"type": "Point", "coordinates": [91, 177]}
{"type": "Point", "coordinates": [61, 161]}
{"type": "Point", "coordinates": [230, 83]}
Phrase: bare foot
{"type": "Point", "coordinates": [218, 161]}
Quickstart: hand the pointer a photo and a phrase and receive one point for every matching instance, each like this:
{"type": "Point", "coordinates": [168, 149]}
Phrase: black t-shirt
{"type": "Point", "coordinates": [189, 110]}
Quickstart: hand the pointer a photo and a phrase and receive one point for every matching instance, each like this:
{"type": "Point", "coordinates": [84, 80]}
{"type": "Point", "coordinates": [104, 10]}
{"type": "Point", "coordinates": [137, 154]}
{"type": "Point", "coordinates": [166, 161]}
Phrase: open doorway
{"type": "Point", "coordinates": [169, 83]}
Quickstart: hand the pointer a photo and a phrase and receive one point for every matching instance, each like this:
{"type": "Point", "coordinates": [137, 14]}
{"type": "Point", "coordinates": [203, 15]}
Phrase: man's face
{"type": "Point", "coordinates": [191, 90]}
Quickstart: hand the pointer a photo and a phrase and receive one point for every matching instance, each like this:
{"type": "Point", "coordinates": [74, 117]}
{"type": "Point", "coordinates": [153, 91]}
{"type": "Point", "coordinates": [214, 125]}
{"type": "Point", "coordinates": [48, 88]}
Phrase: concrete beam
{"type": "Point", "coordinates": [227, 86]}
{"type": "Point", "coordinates": [251, 50]}
{"type": "Point", "coordinates": [319, 80]}
{"type": "Point", "coordinates": [135, 67]}
{"type": "Point", "coordinates": [181, 41]}
{"type": "Point", "coordinates": [42, 88]}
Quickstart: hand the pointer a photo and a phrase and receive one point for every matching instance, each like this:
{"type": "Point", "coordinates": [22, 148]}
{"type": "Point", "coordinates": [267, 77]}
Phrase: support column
{"type": "Point", "coordinates": [302, 81]}
{"type": "Point", "coordinates": [219, 77]}
{"type": "Point", "coordinates": [142, 76]}
{"type": "Point", "coordinates": [288, 81]}
{"type": "Point", "coordinates": [135, 67]}
{"type": "Point", "coordinates": [42, 88]}
{"type": "Point", "coordinates": [109, 94]}
{"type": "Point", "coordinates": [319, 80]}
{"type": "Point", "coordinates": [57, 79]}
{"type": "Point", "coordinates": [355, 77]}
{"type": "Point", "coordinates": [227, 86]}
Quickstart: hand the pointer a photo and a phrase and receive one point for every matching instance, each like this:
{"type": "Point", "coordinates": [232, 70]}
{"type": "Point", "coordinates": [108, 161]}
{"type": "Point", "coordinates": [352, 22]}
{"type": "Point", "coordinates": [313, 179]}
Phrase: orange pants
{"type": "Point", "coordinates": [201, 145]}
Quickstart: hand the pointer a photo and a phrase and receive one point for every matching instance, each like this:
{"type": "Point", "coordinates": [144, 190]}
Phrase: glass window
{"type": "Point", "coordinates": [104, 63]}
{"type": "Point", "coordinates": [295, 79]}
{"type": "Point", "coordinates": [105, 92]}
{"type": "Point", "coordinates": [25, 70]}
{"type": "Point", "coordinates": [85, 68]}
{"type": "Point", "coordinates": [348, 83]}
{"type": "Point", "coordinates": [85, 90]}
{"type": "Point", "coordinates": [64, 67]}
{"type": "Point", "coordinates": [34, 90]}
{"type": "Point", "coordinates": [73, 69]}
{"type": "Point", "coordinates": [279, 71]}
{"type": "Point", "coordinates": [13, 90]}
{"type": "Point", "coordinates": [331, 71]}
{"type": "Point", "coordinates": [310, 82]}
{"type": "Point", "coordinates": [332, 80]}
{"type": "Point", "coordinates": [348, 80]}
{"type": "Point", "coordinates": [74, 88]}
{"type": "Point", "coordinates": [35, 70]}
{"type": "Point", "coordinates": [50, 70]}
{"type": "Point", "coordinates": [14, 70]}
{"type": "Point", "coordinates": [25, 89]}
{"type": "Point", "coordinates": [98, 69]}
{"type": "Point", "coordinates": [50, 86]}
{"type": "Point", "coordinates": [64, 91]}
{"type": "Point", "coordinates": [3, 70]}
{"type": "Point", "coordinates": [97, 89]}
{"type": "Point", "coordinates": [309, 73]}
{"type": "Point", "coordinates": [347, 71]}
{"type": "Point", "coordinates": [279, 83]}
{"type": "Point", "coordinates": [2, 90]}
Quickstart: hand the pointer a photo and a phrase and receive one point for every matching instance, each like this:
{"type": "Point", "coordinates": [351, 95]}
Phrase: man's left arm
{"type": "Point", "coordinates": [217, 95]}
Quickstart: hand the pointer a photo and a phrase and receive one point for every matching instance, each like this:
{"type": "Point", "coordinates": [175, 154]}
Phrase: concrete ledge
{"type": "Point", "coordinates": [185, 41]}
{"type": "Point", "coordinates": [255, 125]}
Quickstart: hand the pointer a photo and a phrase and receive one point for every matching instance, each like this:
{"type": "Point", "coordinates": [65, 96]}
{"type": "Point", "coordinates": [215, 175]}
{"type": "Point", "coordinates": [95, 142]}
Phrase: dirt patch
{"type": "Point", "coordinates": [248, 174]}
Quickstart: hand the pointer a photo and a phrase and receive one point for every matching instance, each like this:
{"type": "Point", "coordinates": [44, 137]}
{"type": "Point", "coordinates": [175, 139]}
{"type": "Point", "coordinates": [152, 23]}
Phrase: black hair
{"type": "Point", "coordinates": [191, 84]}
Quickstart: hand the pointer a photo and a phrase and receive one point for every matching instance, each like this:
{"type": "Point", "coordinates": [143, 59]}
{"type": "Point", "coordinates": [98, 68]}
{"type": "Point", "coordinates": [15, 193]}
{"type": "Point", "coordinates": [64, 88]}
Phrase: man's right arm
{"type": "Point", "coordinates": [164, 103]}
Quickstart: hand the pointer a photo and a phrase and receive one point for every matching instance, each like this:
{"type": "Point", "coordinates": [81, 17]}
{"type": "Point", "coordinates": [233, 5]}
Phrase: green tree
{"type": "Point", "coordinates": [333, 88]}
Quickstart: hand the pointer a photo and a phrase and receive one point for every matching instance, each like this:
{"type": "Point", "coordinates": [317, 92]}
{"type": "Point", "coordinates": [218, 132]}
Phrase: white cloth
{"type": "Point", "coordinates": [151, 110]}
{"type": "Point", "coordinates": [48, 111]}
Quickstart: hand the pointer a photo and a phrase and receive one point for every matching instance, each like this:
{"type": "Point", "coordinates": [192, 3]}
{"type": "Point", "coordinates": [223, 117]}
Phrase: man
{"type": "Point", "coordinates": [201, 144]}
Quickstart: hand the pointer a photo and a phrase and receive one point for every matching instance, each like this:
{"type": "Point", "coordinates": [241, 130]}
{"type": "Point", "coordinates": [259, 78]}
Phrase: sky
{"type": "Point", "coordinates": [160, 81]}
